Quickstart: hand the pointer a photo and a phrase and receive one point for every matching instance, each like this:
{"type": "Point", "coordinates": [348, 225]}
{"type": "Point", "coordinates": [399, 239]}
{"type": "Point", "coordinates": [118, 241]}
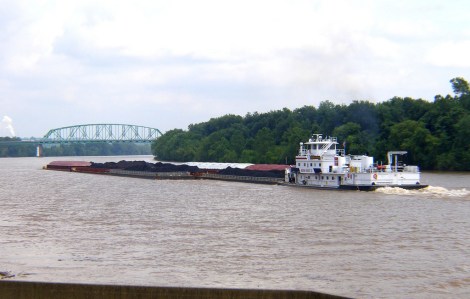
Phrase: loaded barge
{"type": "Point", "coordinates": [260, 173]}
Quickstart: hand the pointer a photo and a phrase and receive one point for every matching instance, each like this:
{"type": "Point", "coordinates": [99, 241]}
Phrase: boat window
{"type": "Point", "coordinates": [319, 164]}
{"type": "Point", "coordinates": [310, 164]}
{"type": "Point", "coordinates": [322, 177]}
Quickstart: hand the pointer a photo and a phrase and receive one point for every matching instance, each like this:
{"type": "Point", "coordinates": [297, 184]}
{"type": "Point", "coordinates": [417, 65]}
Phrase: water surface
{"type": "Point", "coordinates": [393, 243]}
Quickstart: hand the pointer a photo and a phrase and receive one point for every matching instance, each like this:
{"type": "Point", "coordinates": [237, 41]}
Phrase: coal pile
{"type": "Point", "coordinates": [253, 173]}
{"type": "Point", "coordinates": [146, 166]}
{"type": "Point", "coordinates": [169, 167]}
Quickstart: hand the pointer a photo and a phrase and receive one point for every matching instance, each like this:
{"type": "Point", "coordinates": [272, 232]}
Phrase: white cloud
{"type": "Point", "coordinates": [146, 61]}
{"type": "Point", "coordinates": [450, 54]}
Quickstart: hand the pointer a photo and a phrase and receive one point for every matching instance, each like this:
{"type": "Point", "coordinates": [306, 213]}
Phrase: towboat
{"type": "Point", "coordinates": [321, 164]}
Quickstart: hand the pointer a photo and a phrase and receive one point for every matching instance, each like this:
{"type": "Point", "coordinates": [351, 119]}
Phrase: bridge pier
{"type": "Point", "coordinates": [39, 150]}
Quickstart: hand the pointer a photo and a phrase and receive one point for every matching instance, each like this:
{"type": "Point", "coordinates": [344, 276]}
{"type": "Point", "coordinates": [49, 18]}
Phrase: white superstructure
{"type": "Point", "coordinates": [320, 163]}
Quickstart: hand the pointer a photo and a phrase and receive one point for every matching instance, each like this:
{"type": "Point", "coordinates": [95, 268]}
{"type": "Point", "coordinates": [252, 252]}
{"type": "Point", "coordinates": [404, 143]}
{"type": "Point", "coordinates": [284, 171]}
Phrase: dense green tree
{"type": "Point", "coordinates": [458, 158]}
{"type": "Point", "coordinates": [238, 143]}
{"type": "Point", "coordinates": [351, 135]}
{"type": "Point", "coordinates": [365, 114]}
{"type": "Point", "coordinates": [96, 149]}
{"type": "Point", "coordinates": [27, 149]}
{"type": "Point", "coordinates": [248, 156]}
{"type": "Point", "coordinates": [262, 144]}
{"type": "Point", "coordinates": [462, 90]}
{"type": "Point", "coordinates": [291, 140]}
{"type": "Point", "coordinates": [12, 147]}
{"type": "Point", "coordinates": [460, 86]}
{"type": "Point", "coordinates": [214, 148]}
{"type": "Point", "coordinates": [306, 117]}
{"type": "Point", "coordinates": [434, 133]}
{"type": "Point", "coordinates": [330, 116]}
{"type": "Point", "coordinates": [413, 137]}
{"type": "Point", "coordinates": [174, 145]}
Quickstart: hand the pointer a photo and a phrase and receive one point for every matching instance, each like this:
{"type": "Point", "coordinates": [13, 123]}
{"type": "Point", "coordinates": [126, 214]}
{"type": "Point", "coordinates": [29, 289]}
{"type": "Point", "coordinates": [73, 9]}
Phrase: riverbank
{"type": "Point", "coordinates": [50, 290]}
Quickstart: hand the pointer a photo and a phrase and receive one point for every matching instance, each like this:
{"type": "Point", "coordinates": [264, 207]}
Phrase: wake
{"type": "Point", "coordinates": [428, 191]}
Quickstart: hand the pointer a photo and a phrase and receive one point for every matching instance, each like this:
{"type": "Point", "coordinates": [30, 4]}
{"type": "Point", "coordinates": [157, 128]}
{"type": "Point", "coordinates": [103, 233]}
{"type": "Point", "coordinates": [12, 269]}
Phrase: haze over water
{"type": "Point", "coordinates": [70, 227]}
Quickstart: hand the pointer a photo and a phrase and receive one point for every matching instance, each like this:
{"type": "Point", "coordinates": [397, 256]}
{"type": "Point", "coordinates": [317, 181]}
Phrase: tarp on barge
{"type": "Point", "coordinates": [67, 165]}
{"type": "Point", "coordinates": [267, 167]}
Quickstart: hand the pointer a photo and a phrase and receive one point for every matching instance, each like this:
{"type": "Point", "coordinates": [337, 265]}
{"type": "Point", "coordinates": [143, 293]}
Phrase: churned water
{"type": "Point", "coordinates": [392, 243]}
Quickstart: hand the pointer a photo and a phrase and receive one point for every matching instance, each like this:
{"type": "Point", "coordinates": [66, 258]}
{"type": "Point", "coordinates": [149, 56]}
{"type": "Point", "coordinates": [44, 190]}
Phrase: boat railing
{"type": "Point", "coordinates": [393, 168]}
{"type": "Point", "coordinates": [326, 147]}
{"type": "Point", "coordinates": [411, 168]}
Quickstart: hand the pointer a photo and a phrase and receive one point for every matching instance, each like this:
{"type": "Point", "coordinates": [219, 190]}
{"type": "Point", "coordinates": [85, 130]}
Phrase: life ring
{"type": "Point", "coordinates": [375, 176]}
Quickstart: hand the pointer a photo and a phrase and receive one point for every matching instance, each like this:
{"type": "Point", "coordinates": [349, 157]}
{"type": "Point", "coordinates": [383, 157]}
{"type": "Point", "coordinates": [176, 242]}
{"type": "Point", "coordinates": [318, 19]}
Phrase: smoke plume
{"type": "Point", "coordinates": [7, 126]}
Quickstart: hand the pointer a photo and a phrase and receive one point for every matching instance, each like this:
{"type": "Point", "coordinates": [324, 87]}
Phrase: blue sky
{"type": "Point", "coordinates": [167, 64]}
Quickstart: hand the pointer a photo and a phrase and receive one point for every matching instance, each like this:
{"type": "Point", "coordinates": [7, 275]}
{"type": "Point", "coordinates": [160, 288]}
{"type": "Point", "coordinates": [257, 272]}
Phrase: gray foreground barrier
{"type": "Point", "coordinates": [43, 290]}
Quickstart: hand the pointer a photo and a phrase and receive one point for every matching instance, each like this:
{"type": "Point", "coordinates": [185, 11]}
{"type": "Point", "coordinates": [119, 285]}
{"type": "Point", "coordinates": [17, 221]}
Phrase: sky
{"type": "Point", "coordinates": [169, 64]}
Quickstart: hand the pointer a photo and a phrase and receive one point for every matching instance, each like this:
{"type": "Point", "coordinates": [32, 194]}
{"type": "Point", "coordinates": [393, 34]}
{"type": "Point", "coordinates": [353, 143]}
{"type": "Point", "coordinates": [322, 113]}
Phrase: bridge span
{"type": "Point", "coordinates": [98, 133]}
{"type": "Point", "coordinates": [109, 133]}
{"type": "Point", "coordinates": [91, 133]}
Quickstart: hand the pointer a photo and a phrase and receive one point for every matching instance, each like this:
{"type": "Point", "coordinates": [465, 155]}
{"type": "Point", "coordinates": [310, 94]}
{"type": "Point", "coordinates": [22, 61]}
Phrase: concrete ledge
{"type": "Point", "coordinates": [43, 290]}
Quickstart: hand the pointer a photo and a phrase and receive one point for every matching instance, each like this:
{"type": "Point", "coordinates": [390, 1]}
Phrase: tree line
{"type": "Point", "coordinates": [435, 134]}
{"type": "Point", "coordinates": [26, 149]}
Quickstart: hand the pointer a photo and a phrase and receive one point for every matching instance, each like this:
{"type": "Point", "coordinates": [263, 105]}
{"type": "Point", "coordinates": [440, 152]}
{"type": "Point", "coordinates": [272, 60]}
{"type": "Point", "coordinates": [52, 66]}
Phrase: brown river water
{"type": "Point", "coordinates": [85, 228]}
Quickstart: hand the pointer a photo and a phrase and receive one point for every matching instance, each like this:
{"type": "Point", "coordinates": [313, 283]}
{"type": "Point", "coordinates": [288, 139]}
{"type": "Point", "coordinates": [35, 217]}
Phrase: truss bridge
{"type": "Point", "coordinates": [109, 133]}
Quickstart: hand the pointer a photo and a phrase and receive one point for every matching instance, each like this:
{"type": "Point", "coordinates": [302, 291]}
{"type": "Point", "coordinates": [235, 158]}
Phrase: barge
{"type": "Point", "coordinates": [321, 164]}
{"type": "Point", "coordinates": [259, 174]}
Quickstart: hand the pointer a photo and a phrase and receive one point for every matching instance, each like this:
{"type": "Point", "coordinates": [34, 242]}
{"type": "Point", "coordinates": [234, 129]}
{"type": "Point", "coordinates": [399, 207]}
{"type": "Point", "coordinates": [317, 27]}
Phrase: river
{"type": "Point", "coordinates": [85, 228]}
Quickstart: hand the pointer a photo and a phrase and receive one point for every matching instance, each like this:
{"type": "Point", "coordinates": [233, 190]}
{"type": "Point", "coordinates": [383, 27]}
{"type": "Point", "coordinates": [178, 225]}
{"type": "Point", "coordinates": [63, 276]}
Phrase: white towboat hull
{"type": "Point", "coordinates": [321, 165]}
{"type": "Point", "coordinates": [356, 187]}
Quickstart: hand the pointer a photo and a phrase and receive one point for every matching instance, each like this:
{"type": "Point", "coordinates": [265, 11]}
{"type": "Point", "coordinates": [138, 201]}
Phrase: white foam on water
{"type": "Point", "coordinates": [393, 190]}
{"type": "Point", "coordinates": [435, 191]}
